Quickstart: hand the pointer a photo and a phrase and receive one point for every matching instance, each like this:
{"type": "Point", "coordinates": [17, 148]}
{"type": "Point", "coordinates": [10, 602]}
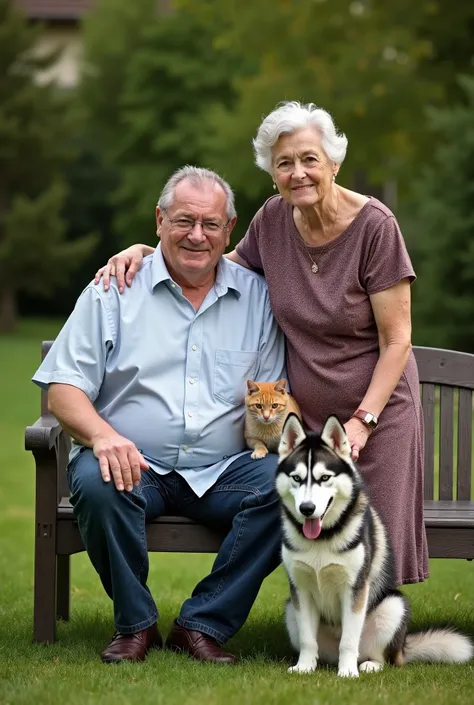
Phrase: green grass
{"type": "Point", "coordinates": [70, 672]}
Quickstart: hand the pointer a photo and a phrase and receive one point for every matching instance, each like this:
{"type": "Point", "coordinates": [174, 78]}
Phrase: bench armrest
{"type": "Point", "coordinates": [44, 433]}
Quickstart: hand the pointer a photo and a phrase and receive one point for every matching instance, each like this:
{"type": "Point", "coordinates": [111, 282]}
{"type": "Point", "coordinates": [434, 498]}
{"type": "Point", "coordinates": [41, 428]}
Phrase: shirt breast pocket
{"type": "Point", "coordinates": [232, 369]}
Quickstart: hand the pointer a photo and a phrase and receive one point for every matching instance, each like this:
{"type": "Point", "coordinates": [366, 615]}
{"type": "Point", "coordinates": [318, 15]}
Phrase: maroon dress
{"type": "Point", "coordinates": [332, 349]}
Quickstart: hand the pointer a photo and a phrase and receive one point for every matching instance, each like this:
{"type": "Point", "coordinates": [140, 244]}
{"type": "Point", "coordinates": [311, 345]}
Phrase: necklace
{"type": "Point", "coordinates": [314, 265]}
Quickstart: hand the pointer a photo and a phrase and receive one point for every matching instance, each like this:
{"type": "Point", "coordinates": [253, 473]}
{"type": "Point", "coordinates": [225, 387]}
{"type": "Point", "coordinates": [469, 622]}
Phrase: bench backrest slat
{"type": "Point", "coordinates": [447, 375]}
{"type": "Point", "coordinates": [464, 464]}
{"type": "Point", "coordinates": [428, 404]}
{"type": "Point", "coordinates": [446, 425]}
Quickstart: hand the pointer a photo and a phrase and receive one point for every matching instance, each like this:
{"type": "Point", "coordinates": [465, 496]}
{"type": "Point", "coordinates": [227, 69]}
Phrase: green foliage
{"type": "Point", "coordinates": [33, 249]}
{"type": "Point", "coordinates": [443, 232]}
{"type": "Point", "coordinates": [154, 119]}
{"type": "Point", "coordinates": [33, 128]}
{"type": "Point", "coordinates": [348, 57]}
{"type": "Point", "coordinates": [31, 122]}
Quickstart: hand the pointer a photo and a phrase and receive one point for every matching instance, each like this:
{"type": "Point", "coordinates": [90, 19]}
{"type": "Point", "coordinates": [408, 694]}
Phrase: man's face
{"type": "Point", "coordinates": [194, 252]}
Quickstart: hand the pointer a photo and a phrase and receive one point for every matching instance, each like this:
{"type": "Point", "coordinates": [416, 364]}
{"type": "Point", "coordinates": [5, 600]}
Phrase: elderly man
{"type": "Point", "coordinates": [154, 380]}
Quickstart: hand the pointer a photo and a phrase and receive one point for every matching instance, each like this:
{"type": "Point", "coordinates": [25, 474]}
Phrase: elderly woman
{"type": "Point", "coordinates": [339, 279]}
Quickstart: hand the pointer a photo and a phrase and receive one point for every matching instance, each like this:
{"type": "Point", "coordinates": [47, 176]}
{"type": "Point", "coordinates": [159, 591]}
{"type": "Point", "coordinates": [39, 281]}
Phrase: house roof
{"type": "Point", "coordinates": [55, 10]}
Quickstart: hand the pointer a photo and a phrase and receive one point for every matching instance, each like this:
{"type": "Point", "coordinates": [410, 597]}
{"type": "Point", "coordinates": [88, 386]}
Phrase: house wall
{"type": "Point", "coordinates": [67, 38]}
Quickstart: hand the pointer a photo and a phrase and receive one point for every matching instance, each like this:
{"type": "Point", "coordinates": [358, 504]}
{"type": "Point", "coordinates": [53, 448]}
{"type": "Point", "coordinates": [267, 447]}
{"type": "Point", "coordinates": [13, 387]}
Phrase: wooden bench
{"type": "Point", "coordinates": [447, 381]}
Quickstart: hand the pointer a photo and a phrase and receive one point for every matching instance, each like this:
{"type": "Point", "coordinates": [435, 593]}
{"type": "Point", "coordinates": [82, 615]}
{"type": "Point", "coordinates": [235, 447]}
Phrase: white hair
{"type": "Point", "coordinates": [289, 117]}
{"type": "Point", "coordinates": [197, 177]}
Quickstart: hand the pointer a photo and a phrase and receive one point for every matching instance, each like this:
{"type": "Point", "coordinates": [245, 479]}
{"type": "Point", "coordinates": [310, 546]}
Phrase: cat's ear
{"type": "Point", "coordinates": [280, 386]}
{"type": "Point", "coordinates": [292, 435]}
{"type": "Point", "coordinates": [334, 435]}
{"type": "Point", "coordinates": [252, 386]}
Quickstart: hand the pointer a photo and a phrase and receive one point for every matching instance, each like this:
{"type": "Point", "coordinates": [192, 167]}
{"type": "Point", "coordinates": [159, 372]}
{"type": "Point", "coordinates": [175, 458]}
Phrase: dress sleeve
{"type": "Point", "coordinates": [249, 247]}
{"type": "Point", "coordinates": [388, 261]}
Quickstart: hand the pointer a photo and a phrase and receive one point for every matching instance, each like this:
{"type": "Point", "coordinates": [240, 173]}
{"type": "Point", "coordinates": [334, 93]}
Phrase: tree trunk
{"type": "Point", "coordinates": [8, 309]}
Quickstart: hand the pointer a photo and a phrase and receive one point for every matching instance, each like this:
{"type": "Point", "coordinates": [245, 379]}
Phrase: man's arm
{"type": "Point", "coordinates": [116, 455]}
{"type": "Point", "coordinates": [72, 373]}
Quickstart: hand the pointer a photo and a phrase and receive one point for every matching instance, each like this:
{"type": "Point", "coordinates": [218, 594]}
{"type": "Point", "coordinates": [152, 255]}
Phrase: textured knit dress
{"type": "Point", "coordinates": [332, 350]}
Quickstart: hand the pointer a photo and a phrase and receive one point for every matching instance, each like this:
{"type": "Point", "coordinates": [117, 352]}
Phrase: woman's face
{"type": "Point", "coordinates": [302, 170]}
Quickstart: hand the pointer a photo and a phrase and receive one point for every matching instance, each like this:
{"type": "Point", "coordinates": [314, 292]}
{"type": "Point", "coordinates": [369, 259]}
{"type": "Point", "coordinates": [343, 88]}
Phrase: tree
{"type": "Point", "coordinates": [348, 57]}
{"type": "Point", "coordinates": [148, 93]}
{"type": "Point", "coordinates": [443, 230]}
{"type": "Point", "coordinates": [33, 128]}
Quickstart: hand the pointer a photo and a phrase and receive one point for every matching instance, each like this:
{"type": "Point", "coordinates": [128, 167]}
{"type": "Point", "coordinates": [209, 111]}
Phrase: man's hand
{"type": "Point", "coordinates": [120, 458]}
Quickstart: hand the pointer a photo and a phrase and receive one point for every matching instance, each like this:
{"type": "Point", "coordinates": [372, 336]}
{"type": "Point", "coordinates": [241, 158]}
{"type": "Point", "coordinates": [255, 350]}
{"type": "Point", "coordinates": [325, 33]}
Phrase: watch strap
{"type": "Point", "coordinates": [370, 420]}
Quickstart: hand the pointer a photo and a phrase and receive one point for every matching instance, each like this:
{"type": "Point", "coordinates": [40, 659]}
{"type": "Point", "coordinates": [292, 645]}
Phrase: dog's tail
{"type": "Point", "coordinates": [438, 645]}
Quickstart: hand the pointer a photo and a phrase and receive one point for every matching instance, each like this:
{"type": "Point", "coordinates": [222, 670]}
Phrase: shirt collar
{"type": "Point", "coordinates": [225, 277]}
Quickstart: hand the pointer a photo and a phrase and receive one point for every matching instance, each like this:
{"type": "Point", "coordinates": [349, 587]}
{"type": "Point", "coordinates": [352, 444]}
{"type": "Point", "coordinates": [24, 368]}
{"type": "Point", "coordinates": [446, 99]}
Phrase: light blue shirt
{"type": "Point", "coordinates": [168, 378]}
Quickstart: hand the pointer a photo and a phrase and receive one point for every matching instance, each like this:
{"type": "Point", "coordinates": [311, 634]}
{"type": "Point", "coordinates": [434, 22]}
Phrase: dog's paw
{"type": "Point", "coordinates": [304, 667]}
{"type": "Point", "coordinates": [370, 667]}
{"type": "Point", "coordinates": [348, 671]}
{"type": "Point", "coordinates": [259, 453]}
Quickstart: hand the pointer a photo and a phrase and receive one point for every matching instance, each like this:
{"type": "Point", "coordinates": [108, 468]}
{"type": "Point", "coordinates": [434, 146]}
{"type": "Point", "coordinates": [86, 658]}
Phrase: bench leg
{"type": "Point", "coordinates": [44, 627]}
{"type": "Point", "coordinates": [44, 620]}
{"type": "Point", "coordinates": [63, 586]}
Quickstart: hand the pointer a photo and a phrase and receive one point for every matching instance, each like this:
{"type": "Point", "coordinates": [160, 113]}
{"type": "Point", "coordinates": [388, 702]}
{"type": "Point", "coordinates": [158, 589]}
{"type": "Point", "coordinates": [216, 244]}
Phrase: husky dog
{"type": "Point", "coordinates": [345, 608]}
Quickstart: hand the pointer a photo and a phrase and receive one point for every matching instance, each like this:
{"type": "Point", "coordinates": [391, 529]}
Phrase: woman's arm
{"type": "Point", "coordinates": [391, 309]}
{"type": "Point", "coordinates": [393, 318]}
{"type": "Point", "coordinates": [125, 264]}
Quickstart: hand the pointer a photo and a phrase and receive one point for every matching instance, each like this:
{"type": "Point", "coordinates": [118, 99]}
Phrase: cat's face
{"type": "Point", "coordinates": [266, 401]}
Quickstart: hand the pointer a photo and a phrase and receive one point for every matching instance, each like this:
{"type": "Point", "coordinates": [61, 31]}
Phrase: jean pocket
{"type": "Point", "coordinates": [232, 369]}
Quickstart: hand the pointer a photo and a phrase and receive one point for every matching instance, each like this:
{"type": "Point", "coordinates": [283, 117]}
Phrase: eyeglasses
{"type": "Point", "coordinates": [187, 225]}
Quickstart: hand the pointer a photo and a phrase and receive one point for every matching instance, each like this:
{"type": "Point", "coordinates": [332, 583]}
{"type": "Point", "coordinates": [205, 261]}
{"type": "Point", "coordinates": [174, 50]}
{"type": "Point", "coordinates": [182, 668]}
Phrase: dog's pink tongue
{"type": "Point", "coordinates": [312, 528]}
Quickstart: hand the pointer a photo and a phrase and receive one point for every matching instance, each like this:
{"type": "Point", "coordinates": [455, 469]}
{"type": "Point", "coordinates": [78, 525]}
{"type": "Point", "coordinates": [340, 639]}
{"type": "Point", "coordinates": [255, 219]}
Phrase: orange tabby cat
{"type": "Point", "coordinates": [267, 405]}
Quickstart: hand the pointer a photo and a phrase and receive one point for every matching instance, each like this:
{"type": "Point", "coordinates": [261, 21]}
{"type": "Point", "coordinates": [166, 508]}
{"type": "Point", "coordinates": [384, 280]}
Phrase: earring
{"type": "Point", "coordinates": [334, 177]}
{"type": "Point", "coordinates": [274, 186]}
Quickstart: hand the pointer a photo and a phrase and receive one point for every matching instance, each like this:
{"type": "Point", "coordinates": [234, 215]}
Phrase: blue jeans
{"type": "Point", "coordinates": [243, 503]}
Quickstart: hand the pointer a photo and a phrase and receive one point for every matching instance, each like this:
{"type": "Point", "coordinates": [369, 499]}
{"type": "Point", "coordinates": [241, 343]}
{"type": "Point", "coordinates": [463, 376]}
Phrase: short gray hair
{"type": "Point", "coordinates": [289, 117]}
{"type": "Point", "coordinates": [197, 177]}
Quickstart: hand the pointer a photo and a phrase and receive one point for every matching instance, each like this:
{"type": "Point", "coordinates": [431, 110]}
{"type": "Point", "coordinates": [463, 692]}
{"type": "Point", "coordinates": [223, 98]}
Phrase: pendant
{"type": "Point", "coordinates": [314, 268]}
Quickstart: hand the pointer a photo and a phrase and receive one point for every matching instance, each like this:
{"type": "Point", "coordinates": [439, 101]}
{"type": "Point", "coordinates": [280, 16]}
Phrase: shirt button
{"type": "Point", "coordinates": [191, 381]}
{"type": "Point", "coordinates": [190, 413]}
{"type": "Point", "coordinates": [173, 286]}
{"type": "Point", "coordinates": [193, 347]}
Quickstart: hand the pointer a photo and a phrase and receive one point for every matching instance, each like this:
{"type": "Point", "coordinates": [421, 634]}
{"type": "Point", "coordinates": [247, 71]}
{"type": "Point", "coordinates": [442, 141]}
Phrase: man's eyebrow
{"type": "Point", "coordinates": [186, 214]}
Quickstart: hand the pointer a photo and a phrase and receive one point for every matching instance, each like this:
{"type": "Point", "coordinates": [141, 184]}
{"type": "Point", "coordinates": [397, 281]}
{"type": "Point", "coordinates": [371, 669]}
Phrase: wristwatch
{"type": "Point", "coordinates": [370, 420]}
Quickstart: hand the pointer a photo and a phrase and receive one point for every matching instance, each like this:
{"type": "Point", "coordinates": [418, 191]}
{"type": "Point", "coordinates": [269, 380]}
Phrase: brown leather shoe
{"type": "Point", "coordinates": [200, 646]}
{"type": "Point", "coordinates": [132, 647]}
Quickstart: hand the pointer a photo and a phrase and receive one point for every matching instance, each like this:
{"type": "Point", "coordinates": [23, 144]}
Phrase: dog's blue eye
{"type": "Point", "coordinates": [325, 478]}
{"type": "Point", "coordinates": [296, 478]}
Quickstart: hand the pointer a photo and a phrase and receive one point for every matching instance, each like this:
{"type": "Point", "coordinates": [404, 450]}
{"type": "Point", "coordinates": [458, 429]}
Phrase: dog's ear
{"type": "Point", "coordinates": [334, 435]}
{"type": "Point", "coordinates": [292, 435]}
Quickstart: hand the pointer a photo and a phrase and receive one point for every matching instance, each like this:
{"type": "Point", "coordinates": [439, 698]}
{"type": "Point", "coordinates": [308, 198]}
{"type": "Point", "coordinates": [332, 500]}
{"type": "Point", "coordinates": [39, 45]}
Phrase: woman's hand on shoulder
{"type": "Point", "coordinates": [124, 265]}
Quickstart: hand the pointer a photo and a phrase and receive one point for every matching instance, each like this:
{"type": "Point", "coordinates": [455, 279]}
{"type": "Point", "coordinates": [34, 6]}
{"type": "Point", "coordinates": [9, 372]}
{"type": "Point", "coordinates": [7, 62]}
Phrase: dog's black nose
{"type": "Point", "coordinates": [307, 508]}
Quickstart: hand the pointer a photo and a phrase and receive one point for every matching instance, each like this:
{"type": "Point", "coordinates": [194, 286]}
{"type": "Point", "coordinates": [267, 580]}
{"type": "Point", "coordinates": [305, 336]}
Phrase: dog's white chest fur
{"type": "Point", "coordinates": [326, 576]}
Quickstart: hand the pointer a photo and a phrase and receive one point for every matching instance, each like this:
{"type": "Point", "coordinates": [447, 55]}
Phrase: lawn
{"type": "Point", "coordinates": [70, 672]}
